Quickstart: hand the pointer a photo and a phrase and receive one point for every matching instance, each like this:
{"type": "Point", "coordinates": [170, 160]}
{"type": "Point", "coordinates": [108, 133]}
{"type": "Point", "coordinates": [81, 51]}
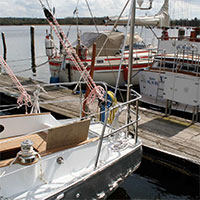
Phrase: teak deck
{"type": "Point", "coordinates": [173, 135]}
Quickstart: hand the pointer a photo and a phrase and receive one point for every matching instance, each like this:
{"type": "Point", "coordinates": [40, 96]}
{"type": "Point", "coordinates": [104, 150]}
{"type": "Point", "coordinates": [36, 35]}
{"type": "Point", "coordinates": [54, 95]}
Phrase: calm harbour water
{"type": "Point", "coordinates": [150, 181]}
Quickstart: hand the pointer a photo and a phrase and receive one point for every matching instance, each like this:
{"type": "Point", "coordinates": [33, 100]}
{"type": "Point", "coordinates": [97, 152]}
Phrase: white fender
{"type": "Point", "coordinates": [49, 46]}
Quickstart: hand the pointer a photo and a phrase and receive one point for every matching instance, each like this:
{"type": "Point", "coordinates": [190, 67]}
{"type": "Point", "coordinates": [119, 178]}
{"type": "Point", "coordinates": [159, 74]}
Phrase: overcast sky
{"type": "Point", "coordinates": [100, 8]}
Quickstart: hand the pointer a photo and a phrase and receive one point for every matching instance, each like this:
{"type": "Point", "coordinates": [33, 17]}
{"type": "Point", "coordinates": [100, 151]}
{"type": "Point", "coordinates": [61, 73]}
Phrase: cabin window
{"type": "Point", "coordinates": [168, 65]}
{"type": "Point", "coordinates": [100, 61]}
{"type": "Point", "coordinates": [189, 68]}
{"type": "Point", "coordinates": [139, 45]}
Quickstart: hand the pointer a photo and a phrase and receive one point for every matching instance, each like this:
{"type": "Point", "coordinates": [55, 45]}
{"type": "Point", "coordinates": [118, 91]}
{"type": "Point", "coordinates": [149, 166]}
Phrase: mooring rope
{"type": "Point", "coordinates": [24, 96]}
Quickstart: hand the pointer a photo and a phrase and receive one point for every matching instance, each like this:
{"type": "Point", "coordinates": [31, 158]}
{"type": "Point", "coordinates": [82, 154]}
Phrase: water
{"type": "Point", "coordinates": [152, 181]}
{"type": "Point", "coordinates": [149, 181]}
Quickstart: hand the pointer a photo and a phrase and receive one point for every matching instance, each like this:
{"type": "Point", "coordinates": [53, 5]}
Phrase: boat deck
{"type": "Point", "coordinates": [172, 135]}
{"type": "Point", "coordinates": [55, 139]}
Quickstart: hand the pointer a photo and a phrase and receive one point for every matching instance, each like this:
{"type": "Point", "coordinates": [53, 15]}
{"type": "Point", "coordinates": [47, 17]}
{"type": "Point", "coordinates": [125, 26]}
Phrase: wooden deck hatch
{"type": "Point", "coordinates": [69, 134]}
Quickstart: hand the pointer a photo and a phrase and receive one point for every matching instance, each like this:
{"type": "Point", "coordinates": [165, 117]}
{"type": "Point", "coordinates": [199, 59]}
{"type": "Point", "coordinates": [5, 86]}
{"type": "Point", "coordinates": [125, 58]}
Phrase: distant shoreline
{"type": "Point", "coordinates": [42, 21]}
{"type": "Point", "coordinates": [14, 21]}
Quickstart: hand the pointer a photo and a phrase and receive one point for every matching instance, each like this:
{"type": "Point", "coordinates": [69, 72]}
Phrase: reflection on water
{"type": "Point", "coordinates": [152, 181]}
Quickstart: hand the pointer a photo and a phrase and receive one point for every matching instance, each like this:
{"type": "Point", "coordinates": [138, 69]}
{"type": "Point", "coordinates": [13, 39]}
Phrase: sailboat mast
{"type": "Point", "coordinates": [131, 41]}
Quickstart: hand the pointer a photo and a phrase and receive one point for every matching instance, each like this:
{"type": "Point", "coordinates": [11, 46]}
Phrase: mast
{"type": "Point", "coordinates": [131, 40]}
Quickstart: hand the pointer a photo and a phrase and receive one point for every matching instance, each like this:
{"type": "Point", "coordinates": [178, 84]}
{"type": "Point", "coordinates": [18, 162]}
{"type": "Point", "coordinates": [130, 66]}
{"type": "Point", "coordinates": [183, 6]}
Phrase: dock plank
{"type": "Point", "coordinates": [180, 137]}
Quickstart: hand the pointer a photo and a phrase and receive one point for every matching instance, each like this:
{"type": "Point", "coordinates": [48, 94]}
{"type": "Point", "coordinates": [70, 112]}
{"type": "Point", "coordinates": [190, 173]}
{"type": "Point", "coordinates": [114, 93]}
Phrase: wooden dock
{"type": "Point", "coordinates": [171, 135]}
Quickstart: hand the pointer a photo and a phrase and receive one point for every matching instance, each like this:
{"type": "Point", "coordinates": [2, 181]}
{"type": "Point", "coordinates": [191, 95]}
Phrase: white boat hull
{"type": "Point", "coordinates": [158, 87]}
{"type": "Point", "coordinates": [76, 176]}
{"type": "Point", "coordinates": [106, 69]}
{"type": "Point", "coordinates": [104, 181]}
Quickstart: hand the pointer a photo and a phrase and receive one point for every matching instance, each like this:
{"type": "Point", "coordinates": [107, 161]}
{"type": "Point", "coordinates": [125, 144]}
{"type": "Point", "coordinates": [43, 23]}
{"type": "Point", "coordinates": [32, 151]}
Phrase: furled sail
{"type": "Point", "coordinates": [161, 19]}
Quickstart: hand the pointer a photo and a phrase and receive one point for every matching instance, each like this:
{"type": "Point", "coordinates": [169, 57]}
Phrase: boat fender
{"type": "Point", "coordinates": [54, 79]}
{"type": "Point", "coordinates": [113, 111]}
{"type": "Point", "coordinates": [49, 46]}
{"type": "Point", "coordinates": [111, 101]}
{"type": "Point", "coordinates": [125, 73]}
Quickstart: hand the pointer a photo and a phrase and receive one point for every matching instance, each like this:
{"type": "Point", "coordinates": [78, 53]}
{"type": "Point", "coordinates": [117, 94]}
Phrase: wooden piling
{"type": "Point", "coordinates": [33, 65]}
{"type": "Point", "coordinates": [4, 46]}
{"type": "Point", "coordinates": [61, 46]}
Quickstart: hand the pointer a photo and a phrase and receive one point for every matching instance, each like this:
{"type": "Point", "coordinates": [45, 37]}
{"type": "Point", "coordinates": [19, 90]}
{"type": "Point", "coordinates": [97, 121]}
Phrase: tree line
{"type": "Point", "coordinates": [185, 22]}
{"type": "Point", "coordinates": [43, 21]}
{"type": "Point", "coordinates": [82, 21]}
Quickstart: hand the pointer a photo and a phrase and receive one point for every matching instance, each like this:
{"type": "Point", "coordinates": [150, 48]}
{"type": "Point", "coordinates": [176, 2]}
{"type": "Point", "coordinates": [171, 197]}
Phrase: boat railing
{"type": "Point", "coordinates": [185, 60]}
{"type": "Point", "coordinates": [117, 109]}
{"type": "Point", "coordinates": [185, 38]}
{"type": "Point", "coordinates": [119, 106]}
{"type": "Point", "coordinates": [115, 127]}
{"type": "Point", "coordinates": [114, 130]}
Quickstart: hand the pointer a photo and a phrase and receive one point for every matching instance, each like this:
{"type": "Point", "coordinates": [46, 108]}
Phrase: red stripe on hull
{"type": "Point", "coordinates": [140, 66]}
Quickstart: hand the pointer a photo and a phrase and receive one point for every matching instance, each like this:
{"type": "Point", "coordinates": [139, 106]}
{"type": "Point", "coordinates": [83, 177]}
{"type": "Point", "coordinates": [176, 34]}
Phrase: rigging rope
{"type": "Point", "coordinates": [24, 96]}
{"type": "Point", "coordinates": [9, 109]}
{"type": "Point", "coordinates": [24, 59]}
{"type": "Point", "coordinates": [95, 90]}
{"type": "Point", "coordinates": [74, 13]}
{"type": "Point", "coordinates": [122, 54]}
{"type": "Point", "coordinates": [115, 25]}
{"type": "Point", "coordinates": [48, 4]}
{"type": "Point", "coordinates": [44, 63]}
{"type": "Point", "coordinates": [92, 16]}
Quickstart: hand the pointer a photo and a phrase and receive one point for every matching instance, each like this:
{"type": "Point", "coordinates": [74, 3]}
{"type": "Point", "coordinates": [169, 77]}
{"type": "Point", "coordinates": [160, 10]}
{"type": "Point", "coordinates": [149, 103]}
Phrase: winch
{"type": "Point", "coordinates": [27, 154]}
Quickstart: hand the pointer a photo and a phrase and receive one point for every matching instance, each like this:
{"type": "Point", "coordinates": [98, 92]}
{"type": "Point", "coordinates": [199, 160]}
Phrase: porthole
{"type": "Point", "coordinates": [1, 128]}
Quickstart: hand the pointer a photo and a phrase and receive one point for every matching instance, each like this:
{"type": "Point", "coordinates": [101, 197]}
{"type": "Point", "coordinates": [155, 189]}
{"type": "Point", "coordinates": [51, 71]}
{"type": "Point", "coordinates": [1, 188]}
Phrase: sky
{"type": "Point", "coordinates": [100, 8]}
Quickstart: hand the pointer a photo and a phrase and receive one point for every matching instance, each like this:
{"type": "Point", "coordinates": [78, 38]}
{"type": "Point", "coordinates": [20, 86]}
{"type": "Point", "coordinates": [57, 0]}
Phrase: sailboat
{"type": "Point", "coordinates": [109, 52]}
{"type": "Point", "coordinates": [44, 158]}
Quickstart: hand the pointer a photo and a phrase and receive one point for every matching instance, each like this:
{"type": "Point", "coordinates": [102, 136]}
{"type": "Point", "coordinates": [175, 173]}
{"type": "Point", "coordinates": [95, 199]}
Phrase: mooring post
{"type": "Point", "coordinates": [33, 65]}
{"type": "Point", "coordinates": [4, 46]}
{"type": "Point", "coordinates": [61, 46]}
